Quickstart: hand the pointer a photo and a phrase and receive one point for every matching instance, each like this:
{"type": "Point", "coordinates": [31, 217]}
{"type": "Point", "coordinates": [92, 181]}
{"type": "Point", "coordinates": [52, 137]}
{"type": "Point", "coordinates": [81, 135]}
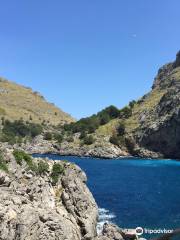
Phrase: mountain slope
{"type": "Point", "coordinates": [20, 102]}
{"type": "Point", "coordinates": [150, 129]}
{"type": "Point", "coordinates": [155, 122]}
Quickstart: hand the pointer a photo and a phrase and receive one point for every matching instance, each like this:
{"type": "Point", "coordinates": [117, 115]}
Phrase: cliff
{"type": "Point", "coordinates": [159, 130]}
{"type": "Point", "coordinates": [32, 206]}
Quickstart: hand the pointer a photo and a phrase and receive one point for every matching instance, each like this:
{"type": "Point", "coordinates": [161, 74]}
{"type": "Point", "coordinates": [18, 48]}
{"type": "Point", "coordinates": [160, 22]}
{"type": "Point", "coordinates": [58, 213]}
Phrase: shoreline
{"type": "Point", "coordinates": [130, 157]}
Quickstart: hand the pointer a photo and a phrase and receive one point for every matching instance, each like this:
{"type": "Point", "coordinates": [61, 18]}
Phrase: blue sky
{"type": "Point", "coordinates": [84, 55]}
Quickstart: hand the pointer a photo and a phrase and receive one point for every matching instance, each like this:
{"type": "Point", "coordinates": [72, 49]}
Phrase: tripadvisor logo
{"type": "Point", "coordinates": [139, 231]}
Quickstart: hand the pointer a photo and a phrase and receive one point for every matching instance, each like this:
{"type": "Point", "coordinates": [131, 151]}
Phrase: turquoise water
{"type": "Point", "coordinates": [134, 192]}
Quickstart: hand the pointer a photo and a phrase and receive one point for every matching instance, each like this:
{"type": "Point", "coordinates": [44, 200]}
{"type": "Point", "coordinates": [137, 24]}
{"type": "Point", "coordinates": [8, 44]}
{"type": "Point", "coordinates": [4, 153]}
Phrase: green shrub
{"type": "Point", "coordinates": [114, 140]}
{"type": "Point", "coordinates": [21, 129]}
{"type": "Point", "coordinates": [121, 129]}
{"type": "Point", "coordinates": [3, 164]}
{"type": "Point", "coordinates": [57, 170]}
{"type": "Point", "coordinates": [48, 136]}
{"type": "Point", "coordinates": [111, 111]}
{"type": "Point", "coordinates": [130, 144]}
{"type": "Point", "coordinates": [21, 156]}
{"type": "Point", "coordinates": [70, 139]}
{"type": "Point", "coordinates": [82, 135]}
{"type": "Point", "coordinates": [58, 137]}
{"type": "Point", "coordinates": [11, 139]}
{"type": "Point", "coordinates": [43, 167]}
{"type": "Point", "coordinates": [34, 129]}
{"type": "Point", "coordinates": [117, 140]}
{"type": "Point", "coordinates": [126, 112]}
{"type": "Point", "coordinates": [88, 140]}
{"type": "Point", "coordinates": [104, 118]}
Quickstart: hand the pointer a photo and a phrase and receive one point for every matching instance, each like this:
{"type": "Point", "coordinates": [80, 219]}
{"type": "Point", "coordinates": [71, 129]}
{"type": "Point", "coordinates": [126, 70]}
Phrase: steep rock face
{"type": "Point", "coordinates": [31, 208]}
{"type": "Point", "coordinates": [162, 133]}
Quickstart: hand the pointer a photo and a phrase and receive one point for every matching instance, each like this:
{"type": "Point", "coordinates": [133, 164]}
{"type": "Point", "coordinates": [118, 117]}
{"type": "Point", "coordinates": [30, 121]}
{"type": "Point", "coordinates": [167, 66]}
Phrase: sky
{"type": "Point", "coordinates": [84, 55]}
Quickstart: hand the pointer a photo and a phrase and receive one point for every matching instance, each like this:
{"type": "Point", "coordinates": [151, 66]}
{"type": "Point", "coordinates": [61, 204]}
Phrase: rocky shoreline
{"type": "Point", "coordinates": [105, 152]}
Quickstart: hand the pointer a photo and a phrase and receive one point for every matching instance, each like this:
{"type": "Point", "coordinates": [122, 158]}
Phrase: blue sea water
{"type": "Point", "coordinates": [133, 192]}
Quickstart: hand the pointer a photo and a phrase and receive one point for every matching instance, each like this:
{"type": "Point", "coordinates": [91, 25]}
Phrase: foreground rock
{"type": "Point", "coordinates": [32, 208]}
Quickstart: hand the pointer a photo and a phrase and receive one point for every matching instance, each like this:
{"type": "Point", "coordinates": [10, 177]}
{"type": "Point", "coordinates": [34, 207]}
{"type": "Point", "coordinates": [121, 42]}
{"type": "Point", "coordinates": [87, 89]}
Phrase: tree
{"type": "Point", "coordinates": [132, 103]}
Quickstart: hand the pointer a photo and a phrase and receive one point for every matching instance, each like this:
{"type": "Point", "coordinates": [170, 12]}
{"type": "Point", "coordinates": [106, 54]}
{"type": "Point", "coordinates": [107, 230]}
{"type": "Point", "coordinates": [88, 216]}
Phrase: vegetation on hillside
{"type": "Point", "coordinates": [90, 124]}
{"type": "Point", "coordinates": [15, 132]}
{"type": "Point", "coordinates": [40, 168]}
{"type": "Point", "coordinates": [57, 170]}
{"type": "Point", "coordinates": [3, 164]}
{"type": "Point", "coordinates": [21, 157]}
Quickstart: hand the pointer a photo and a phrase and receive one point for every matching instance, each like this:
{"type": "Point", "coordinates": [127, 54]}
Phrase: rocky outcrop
{"type": "Point", "coordinates": [160, 130]}
{"type": "Point", "coordinates": [35, 207]}
{"type": "Point", "coordinates": [32, 208]}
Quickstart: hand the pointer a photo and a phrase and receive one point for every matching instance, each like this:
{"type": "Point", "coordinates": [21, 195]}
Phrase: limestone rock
{"type": "Point", "coordinates": [31, 208]}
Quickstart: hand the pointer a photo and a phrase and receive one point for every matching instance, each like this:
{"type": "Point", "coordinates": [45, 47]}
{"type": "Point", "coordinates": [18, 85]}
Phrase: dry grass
{"type": "Point", "coordinates": [132, 123]}
{"type": "Point", "coordinates": [19, 102]}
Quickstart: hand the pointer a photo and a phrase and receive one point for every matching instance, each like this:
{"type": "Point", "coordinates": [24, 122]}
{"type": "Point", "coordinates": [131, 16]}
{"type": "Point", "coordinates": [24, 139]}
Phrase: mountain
{"type": "Point", "coordinates": [18, 102]}
{"type": "Point", "coordinates": [149, 127]}
{"type": "Point", "coordinates": [153, 129]}
{"type": "Point", "coordinates": [159, 125]}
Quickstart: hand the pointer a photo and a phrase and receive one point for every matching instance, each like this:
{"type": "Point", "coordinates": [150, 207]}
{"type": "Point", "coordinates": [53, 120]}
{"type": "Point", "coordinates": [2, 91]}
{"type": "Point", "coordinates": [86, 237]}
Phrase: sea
{"type": "Point", "coordinates": [133, 192]}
